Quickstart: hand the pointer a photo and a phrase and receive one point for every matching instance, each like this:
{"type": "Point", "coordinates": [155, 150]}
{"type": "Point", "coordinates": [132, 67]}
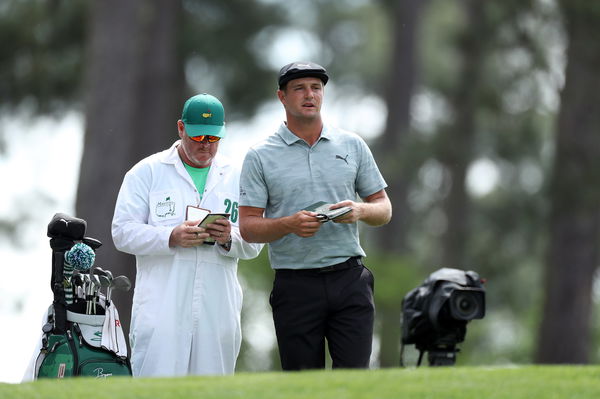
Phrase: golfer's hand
{"type": "Point", "coordinates": [187, 235]}
{"type": "Point", "coordinates": [351, 217]}
{"type": "Point", "coordinates": [303, 223]}
{"type": "Point", "coordinates": [220, 230]}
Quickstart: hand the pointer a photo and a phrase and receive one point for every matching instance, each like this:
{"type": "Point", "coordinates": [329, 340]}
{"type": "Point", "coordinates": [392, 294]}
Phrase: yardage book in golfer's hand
{"type": "Point", "coordinates": [205, 216]}
{"type": "Point", "coordinates": [324, 213]}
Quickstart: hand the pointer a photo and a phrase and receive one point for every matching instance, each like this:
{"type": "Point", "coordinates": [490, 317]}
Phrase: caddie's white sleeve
{"type": "Point", "coordinates": [130, 229]}
{"type": "Point", "coordinates": [239, 248]}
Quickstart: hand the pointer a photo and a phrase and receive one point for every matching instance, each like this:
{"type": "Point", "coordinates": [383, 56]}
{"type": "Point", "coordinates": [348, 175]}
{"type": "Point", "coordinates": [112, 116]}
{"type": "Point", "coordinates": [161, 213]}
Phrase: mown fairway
{"type": "Point", "coordinates": [527, 382]}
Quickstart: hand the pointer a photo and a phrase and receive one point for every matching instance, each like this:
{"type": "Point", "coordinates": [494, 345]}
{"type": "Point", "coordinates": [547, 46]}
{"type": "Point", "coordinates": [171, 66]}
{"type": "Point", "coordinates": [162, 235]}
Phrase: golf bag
{"type": "Point", "coordinates": [72, 341]}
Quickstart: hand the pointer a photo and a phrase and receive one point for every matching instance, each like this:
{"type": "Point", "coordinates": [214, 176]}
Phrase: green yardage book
{"type": "Point", "coordinates": [324, 213]}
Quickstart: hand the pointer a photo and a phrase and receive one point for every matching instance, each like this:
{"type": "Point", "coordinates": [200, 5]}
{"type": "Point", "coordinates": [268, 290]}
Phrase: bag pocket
{"type": "Point", "coordinates": [59, 362]}
{"type": "Point", "coordinates": [97, 362]}
{"type": "Point", "coordinates": [103, 368]}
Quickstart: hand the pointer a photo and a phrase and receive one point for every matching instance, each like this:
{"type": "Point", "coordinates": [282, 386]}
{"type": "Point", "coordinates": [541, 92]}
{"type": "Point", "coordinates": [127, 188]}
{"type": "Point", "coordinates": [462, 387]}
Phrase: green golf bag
{"type": "Point", "coordinates": [77, 352]}
{"type": "Point", "coordinates": [71, 340]}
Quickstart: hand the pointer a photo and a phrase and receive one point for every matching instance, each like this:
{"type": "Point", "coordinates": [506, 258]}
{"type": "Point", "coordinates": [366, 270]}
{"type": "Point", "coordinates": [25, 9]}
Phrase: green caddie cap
{"type": "Point", "coordinates": [203, 114]}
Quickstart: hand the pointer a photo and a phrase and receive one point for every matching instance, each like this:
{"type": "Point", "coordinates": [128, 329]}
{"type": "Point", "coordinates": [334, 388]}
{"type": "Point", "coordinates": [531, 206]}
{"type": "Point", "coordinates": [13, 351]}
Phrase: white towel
{"type": "Point", "coordinates": [113, 338]}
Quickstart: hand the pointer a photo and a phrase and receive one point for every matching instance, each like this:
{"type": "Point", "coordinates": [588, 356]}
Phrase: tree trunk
{"type": "Point", "coordinates": [456, 145]}
{"type": "Point", "coordinates": [134, 88]}
{"type": "Point", "coordinates": [572, 256]}
{"type": "Point", "coordinates": [401, 82]}
{"type": "Point", "coordinates": [391, 238]}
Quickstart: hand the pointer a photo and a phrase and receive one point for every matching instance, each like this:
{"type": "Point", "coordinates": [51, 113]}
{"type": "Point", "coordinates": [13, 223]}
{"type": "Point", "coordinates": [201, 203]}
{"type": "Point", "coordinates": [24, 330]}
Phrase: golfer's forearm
{"type": "Point", "coordinates": [377, 212]}
{"type": "Point", "coordinates": [262, 230]}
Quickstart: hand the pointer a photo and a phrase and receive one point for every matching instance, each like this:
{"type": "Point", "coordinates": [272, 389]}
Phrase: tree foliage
{"type": "Point", "coordinates": [41, 46]}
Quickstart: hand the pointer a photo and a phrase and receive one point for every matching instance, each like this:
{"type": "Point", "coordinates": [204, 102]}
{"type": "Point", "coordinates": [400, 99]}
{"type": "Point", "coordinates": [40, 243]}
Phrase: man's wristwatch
{"type": "Point", "coordinates": [227, 245]}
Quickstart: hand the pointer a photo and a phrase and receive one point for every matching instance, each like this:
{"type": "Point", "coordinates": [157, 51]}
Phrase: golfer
{"type": "Point", "coordinates": [322, 290]}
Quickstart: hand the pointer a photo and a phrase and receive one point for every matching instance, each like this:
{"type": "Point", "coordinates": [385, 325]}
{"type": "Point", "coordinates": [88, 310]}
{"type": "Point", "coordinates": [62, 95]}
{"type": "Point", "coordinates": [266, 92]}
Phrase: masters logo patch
{"type": "Point", "coordinates": [165, 208]}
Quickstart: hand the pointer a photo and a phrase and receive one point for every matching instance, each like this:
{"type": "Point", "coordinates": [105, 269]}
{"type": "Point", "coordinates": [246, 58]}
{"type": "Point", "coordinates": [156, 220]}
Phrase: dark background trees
{"type": "Point", "coordinates": [566, 330]}
{"type": "Point", "coordinates": [488, 136]}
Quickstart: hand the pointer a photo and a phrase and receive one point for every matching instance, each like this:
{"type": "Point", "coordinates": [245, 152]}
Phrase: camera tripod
{"type": "Point", "coordinates": [443, 355]}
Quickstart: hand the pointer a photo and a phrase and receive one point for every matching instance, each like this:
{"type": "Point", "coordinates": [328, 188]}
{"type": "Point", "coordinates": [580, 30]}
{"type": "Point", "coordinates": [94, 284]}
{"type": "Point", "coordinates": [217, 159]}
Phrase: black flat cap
{"type": "Point", "coordinates": [302, 69]}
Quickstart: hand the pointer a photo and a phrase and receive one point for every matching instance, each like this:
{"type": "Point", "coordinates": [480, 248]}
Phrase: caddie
{"type": "Point", "coordinates": [187, 300]}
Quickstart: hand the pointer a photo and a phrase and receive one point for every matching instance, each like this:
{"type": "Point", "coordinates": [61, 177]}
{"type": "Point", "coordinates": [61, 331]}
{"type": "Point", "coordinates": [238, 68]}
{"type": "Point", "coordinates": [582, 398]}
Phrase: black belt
{"type": "Point", "coordinates": [352, 262]}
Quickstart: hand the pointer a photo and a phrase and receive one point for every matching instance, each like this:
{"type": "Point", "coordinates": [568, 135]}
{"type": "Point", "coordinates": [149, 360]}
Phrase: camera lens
{"type": "Point", "coordinates": [466, 305]}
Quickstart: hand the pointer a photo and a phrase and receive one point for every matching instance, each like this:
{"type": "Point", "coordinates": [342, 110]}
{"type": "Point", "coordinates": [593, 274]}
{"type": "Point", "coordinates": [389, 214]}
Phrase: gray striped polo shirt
{"type": "Point", "coordinates": [283, 175]}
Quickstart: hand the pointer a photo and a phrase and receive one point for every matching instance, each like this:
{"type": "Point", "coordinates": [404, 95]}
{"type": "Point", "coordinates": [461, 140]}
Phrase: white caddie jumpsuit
{"type": "Point", "coordinates": [187, 301]}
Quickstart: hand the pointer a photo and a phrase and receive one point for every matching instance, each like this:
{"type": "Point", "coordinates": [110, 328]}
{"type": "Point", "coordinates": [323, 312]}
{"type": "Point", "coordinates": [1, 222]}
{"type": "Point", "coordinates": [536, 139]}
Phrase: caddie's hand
{"type": "Point", "coordinates": [187, 235]}
{"type": "Point", "coordinates": [303, 223]}
{"type": "Point", "coordinates": [351, 217]}
{"type": "Point", "coordinates": [220, 230]}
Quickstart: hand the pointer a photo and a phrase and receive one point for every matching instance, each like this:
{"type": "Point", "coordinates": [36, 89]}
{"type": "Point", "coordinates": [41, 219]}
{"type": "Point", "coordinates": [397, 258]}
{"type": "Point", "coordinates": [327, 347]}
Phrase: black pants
{"type": "Point", "coordinates": [310, 306]}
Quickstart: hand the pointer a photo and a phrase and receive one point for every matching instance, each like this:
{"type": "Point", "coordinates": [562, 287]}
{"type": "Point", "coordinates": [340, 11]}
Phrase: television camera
{"type": "Point", "coordinates": [435, 314]}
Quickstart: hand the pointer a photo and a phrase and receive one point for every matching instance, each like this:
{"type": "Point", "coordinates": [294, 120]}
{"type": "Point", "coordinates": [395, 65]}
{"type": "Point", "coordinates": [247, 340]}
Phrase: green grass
{"type": "Point", "coordinates": [528, 382]}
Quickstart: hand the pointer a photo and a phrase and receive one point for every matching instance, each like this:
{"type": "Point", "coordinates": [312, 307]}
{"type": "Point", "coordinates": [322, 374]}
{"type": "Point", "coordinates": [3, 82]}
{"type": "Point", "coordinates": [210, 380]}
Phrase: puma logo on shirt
{"type": "Point", "coordinates": [345, 159]}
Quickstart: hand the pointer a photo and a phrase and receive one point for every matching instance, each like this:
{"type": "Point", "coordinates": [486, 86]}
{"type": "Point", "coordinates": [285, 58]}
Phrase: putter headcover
{"type": "Point", "coordinates": [66, 227]}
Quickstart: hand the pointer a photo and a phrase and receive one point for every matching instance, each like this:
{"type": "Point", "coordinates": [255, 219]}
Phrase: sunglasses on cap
{"type": "Point", "coordinates": [210, 139]}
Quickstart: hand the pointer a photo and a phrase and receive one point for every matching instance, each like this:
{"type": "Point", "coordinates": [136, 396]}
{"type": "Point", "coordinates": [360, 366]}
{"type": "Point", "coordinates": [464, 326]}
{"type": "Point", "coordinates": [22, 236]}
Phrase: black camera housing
{"type": "Point", "coordinates": [435, 314]}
